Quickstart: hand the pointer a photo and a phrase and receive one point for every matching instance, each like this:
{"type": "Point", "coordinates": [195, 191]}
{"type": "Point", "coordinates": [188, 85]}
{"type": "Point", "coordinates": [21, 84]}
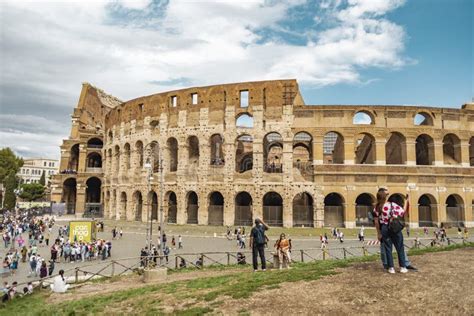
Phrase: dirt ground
{"type": "Point", "coordinates": [444, 285]}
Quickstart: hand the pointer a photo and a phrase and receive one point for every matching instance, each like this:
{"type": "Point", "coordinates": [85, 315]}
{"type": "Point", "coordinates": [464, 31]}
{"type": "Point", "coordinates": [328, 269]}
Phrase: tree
{"type": "Point", "coordinates": [9, 166]}
{"type": "Point", "coordinates": [32, 191]}
{"type": "Point", "coordinates": [10, 182]}
{"type": "Point", "coordinates": [43, 178]}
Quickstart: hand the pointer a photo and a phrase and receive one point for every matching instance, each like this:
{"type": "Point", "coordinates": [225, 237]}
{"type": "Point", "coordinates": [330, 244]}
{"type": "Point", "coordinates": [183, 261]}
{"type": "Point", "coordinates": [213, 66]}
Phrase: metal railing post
{"type": "Point", "coordinates": [302, 255]}
{"type": "Point", "coordinates": [344, 251]}
{"type": "Point", "coordinates": [113, 268]}
{"type": "Point", "coordinates": [76, 277]}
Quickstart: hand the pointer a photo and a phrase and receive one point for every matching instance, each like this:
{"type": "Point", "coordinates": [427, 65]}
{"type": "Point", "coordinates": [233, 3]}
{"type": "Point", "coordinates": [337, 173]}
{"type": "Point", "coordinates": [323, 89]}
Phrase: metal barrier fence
{"type": "Point", "coordinates": [116, 267]}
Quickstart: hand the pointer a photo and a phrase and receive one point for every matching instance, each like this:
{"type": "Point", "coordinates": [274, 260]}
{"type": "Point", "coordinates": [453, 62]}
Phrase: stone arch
{"type": "Point", "coordinates": [94, 160]}
{"type": "Point", "coordinates": [455, 210]}
{"type": "Point", "coordinates": [139, 154]}
{"type": "Point", "coordinates": [423, 119]}
{"type": "Point", "coordinates": [302, 151]}
{"type": "Point", "coordinates": [303, 213]}
{"type": "Point", "coordinates": [427, 210]}
{"type": "Point", "coordinates": [110, 136]}
{"type": "Point", "coordinates": [93, 190]}
{"type": "Point", "coordinates": [172, 209]}
{"type": "Point", "coordinates": [333, 148]}
{"type": "Point", "coordinates": [217, 150]}
{"type": "Point", "coordinates": [123, 205]}
{"type": "Point", "coordinates": [216, 209]}
{"type": "Point", "coordinates": [243, 153]}
{"type": "Point", "coordinates": [73, 163]}
{"type": "Point", "coordinates": [117, 158]}
{"type": "Point", "coordinates": [152, 205]}
{"type": "Point", "coordinates": [69, 195]}
{"type": "Point", "coordinates": [244, 120]}
{"type": "Point", "coordinates": [364, 205]}
{"type": "Point", "coordinates": [396, 149]}
{"type": "Point", "coordinates": [363, 117]}
{"type": "Point", "coordinates": [365, 149]}
{"type": "Point", "coordinates": [471, 151]}
{"type": "Point", "coordinates": [273, 153]}
{"type": "Point", "coordinates": [425, 153]}
{"type": "Point", "coordinates": [193, 151]}
{"type": "Point", "coordinates": [334, 210]}
{"type": "Point", "coordinates": [243, 209]}
{"type": "Point", "coordinates": [172, 150]}
{"type": "Point", "coordinates": [273, 209]}
{"type": "Point", "coordinates": [95, 142]}
{"type": "Point", "coordinates": [126, 155]}
{"type": "Point", "coordinates": [451, 149]}
{"type": "Point", "coordinates": [192, 207]}
{"type": "Point", "coordinates": [397, 198]}
{"type": "Point", "coordinates": [138, 203]}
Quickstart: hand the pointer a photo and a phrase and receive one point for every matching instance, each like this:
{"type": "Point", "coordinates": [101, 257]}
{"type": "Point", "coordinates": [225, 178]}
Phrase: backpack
{"type": "Point", "coordinates": [259, 235]}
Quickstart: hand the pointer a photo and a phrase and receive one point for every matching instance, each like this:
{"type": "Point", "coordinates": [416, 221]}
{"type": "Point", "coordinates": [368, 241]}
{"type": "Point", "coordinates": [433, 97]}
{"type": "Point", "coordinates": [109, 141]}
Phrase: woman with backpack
{"type": "Point", "coordinates": [387, 217]}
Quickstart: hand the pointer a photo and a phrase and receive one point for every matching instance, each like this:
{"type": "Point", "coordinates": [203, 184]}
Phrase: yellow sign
{"type": "Point", "coordinates": [82, 231]}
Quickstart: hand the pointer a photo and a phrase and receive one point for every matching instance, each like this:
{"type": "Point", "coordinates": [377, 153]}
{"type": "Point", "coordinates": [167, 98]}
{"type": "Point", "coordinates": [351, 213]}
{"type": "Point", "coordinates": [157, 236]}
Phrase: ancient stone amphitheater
{"type": "Point", "coordinates": [225, 154]}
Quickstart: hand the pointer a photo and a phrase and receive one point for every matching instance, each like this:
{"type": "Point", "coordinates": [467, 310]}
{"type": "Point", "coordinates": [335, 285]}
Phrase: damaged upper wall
{"type": "Point", "coordinates": [271, 94]}
{"type": "Point", "coordinates": [89, 115]}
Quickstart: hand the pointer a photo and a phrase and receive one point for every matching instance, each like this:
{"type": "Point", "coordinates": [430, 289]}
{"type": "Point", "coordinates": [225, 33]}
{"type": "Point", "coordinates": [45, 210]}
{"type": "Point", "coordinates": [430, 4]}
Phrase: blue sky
{"type": "Point", "coordinates": [416, 52]}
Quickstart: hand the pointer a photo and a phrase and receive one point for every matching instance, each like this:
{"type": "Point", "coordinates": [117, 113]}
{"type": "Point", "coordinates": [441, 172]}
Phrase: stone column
{"type": "Point", "coordinates": [380, 144]}
{"type": "Point", "coordinates": [411, 152]}
{"type": "Point", "coordinates": [80, 199]}
{"type": "Point", "coordinates": [82, 158]}
{"type": "Point", "coordinates": [413, 213]}
{"type": "Point", "coordinates": [318, 152]}
{"type": "Point", "coordinates": [287, 210]}
{"type": "Point", "coordinates": [229, 208]}
{"type": "Point", "coordinates": [349, 150]}
{"type": "Point", "coordinates": [287, 161]}
{"type": "Point", "coordinates": [350, 208]}
{"type": "Point", "coordinates": [469, 208]}
{"type": "Point", "coordinates": [465, 153]}
{"type": "Point", "coordinates": [441, 211]}
{"type": "Point", "coordinates": [181, 214]}
{"type": "Point", "coordinates": [439, 155]}
{"type": "Point", "coordinates": [203, 203]}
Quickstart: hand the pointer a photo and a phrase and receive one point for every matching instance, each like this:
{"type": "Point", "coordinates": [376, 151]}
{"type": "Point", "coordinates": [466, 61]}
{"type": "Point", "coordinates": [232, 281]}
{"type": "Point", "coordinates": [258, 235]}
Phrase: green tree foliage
{"type": "Point", "coordinates": [32, 191]}
{"type": "Point", "coordinates": [43, 178]}
{"type": "Point", "coordinates": [9, 166]}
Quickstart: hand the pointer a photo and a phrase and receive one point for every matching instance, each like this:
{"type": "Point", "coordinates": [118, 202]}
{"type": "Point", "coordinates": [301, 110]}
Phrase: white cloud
{"type": "Point", "coordinates": [55, 46]}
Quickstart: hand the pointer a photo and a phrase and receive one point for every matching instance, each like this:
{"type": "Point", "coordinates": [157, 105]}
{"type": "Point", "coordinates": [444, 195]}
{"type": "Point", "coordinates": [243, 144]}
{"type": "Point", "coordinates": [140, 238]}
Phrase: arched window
{"type": "Point", "coordinates": [216, 209]}
{"type": "Point", "coordinates": [273, 153]}
{"type": "Point", "coordinates": [423, 119]}
{"type": "Point", "coordinates": [193, 150]}
{"type": "Point", "coordinates": [95, 143]}
{"type": "Point", "coordinates": [93, 186]}
{"type": "Point", "coordinates": [396, 149]}
{"type": "Point", "coordinates": [303, 153]}
{"type": "Point", "coordinates": [244, 120]}
{"type": "Point", "coordinates": [424, 150]}
{"type": "Point", "coordinates": [126, 155]}
{"type": "Point", "coordinates": [455, 210]}
{"type": "Point", "coordinates": [217, 150]}
{"type": "Point", "coordinates": [94, 160]}
{"type": "Point", "coordinates": [333, 148]}
{"type": "Point", "coordinates": [117, 158]}
{"type": "Point", "coordinates": [244, 153]}
{"type": "Point", "coordinates": [427, 210]}
{"type": "Point", "coordinates": [192, 207]}
{"type": "Point", "coordinates": [243, 209]}
{"type": "Point", "coordinates": [273, 209]}
{"type": "Point", "coordinates": [123, 206]}
{"type": "Point", "coordinates": [365, 149]}
{"type": "Point", "coordinates": [172, 207]}
{"type": "Point", "coordinates": [363, 118]}
{"type": "Point", "coordinates": [334, 210]}
{"type": "Point", "coordinates": [172, 144]}
{"type": "Point", "coordinates": [451, 149]}
{"type": "Point", "coordinates": [303, 213]}
{"type": "Point", "coordinates": [138, 202]}
{"type": "Point", "coordinates": [471, 151]}
{"type": "Point", "coordinates": [139, 153]}
{"type": "Point", "coordinates": [69, 195]}
{"type": "Point", "coordinates": [74, 158]}
{"type": "Point", "coordinates": [364, 205]}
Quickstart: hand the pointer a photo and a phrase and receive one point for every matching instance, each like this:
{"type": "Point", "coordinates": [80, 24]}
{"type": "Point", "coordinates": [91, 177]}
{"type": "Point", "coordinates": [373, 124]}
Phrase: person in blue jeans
{"type": "Point", "coordinates": [257, 243]}
{"type": "Point", "coordinates": [385, 211]}
{"type": "Point", "coordinates": [383, 257]}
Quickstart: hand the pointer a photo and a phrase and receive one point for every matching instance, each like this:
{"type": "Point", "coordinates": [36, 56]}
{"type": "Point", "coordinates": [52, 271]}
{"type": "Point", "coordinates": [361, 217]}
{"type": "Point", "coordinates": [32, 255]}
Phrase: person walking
{"type": "Point", "coordinates": [180, 242]}
{"type": "Point", "coordinates": [384, 213]}
{"type": "Point", "coordinates": [257, 244]}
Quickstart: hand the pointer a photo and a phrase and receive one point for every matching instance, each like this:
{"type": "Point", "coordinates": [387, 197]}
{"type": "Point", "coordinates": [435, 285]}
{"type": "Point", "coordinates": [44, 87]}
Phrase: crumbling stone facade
{"type": "Point", "coordinates": [233, 152]}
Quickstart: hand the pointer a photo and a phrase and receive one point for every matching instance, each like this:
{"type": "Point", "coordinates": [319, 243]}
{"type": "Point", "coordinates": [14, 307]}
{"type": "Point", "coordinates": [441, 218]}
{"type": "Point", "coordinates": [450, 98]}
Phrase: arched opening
{"type": "Point", "coordinates": [192, 208]}
{"type": "Point", "coordinates": [138, 202]}
{"type": "Point", "coordinates": [126, 155]}
{"type": "Point", "coordinates": [471, 151]}
{"type": "Point", "coordinates": [334, 210]}
{"type": "Point", "coordinates": [110, 136]}
{"type": "Point", "coordinates": [273, 153]}
{"type": "Point", "coordinates": [273, 209]}
{"type": "Point", "coordinates": [303, 153]}
{"type": "Point", "coordinates": [95, 143]}
{"type": "Point", "coordinates": [193, 151]}
{"type": "Point", "coordinates": [451, 149]}
{"type": "Point", "coordinates": [424, 150]}
{"type": "Point", "coordinates": [303, 214]}
{"type": "Point", "coordinates": [396, 149]}
{"type": "Point", "coordinates": [363, 118]}
{"type": "Point", "coordinates": [74, 158]}
{"type": "Point", "coordinates": [365, 149]}
{"type": "Point", "coordinates": [153, 205]}
{"type": "Point", "coordinates": [172, 208]}
{"type": "Point", "coordinates": [117, 158]}
{"type": "Point", "coordinates": [364, 205]}
{"type": "Point", "coordinates": [398, 199]}
{"type": "Point", "coordinates": [93, 194]}
{"type": "Point", "coordinates": [244, 153]}
{"type": "Point", "coordinates": [244, 120]}
{"type": "Point", "coordinates": [216, 209]}
{"type": "Point", "coordinates": [454, 211]}
{"type": "Point", "coordinates": [423, 119]}
{"type": "Point", "coordinates": [139, 154]}
{"type": "Point", "coordinates": [69, 195]}
{"type": "Point", "coordinates": [427, 210]}
{"type": "Point", "coordinates": [94, 160]}
{"type": "Point", "coordinates": [172, 145]}
{"type": "Point", "coordinates": [217, 150]}
{"type": "Point", "coordinates": [243, 209]}
{"type": "Point", "coordinates": [123, 205]}
{"type": "Point", "coordinates": [333, 148]}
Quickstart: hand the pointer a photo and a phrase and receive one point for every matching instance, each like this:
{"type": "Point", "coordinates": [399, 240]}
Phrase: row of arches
{"type": "Point", "coordinates": [302, 208]}
{"type": "Point", "coordinates": [92, 198]}
{"type": "Point", "coordinates": [333, 151]}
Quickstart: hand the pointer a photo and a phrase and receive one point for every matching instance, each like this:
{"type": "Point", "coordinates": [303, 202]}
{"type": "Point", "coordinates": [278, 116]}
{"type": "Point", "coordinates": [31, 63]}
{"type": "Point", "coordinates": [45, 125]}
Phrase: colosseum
{"type": "Point", "coordinates": [225, 154]}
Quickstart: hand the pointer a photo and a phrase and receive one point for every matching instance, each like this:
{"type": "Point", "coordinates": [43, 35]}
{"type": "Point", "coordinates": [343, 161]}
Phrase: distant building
{"type": "Point", "coordinates": [33, 169]}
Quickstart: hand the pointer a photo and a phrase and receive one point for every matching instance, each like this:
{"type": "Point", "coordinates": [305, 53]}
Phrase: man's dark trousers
{"type": "Point", "coordinates": [258, 250]}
